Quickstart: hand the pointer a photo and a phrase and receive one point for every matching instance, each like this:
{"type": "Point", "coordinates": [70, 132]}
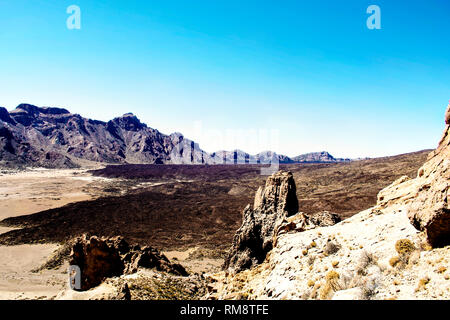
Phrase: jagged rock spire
{"type": "Point", "coordinates": [254, 239]}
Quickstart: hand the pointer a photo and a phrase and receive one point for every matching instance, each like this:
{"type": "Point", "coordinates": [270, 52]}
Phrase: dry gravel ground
{"type": "Point", "coordinates": [354, 259]}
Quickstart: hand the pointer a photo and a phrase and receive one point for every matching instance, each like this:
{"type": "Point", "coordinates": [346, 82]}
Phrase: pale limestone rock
{"type": "Point", "coordinates": [427, 196]}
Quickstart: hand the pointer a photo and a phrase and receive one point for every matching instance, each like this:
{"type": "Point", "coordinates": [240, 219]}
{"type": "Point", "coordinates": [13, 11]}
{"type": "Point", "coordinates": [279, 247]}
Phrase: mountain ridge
{"type": "Point", "coordinates": [55, 137]}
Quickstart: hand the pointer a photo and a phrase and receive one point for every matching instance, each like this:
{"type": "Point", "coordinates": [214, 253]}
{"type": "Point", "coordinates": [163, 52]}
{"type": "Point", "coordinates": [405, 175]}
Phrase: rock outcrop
{"type": "Point", "coordinates": [430, 210]}
{"type": "Point", "coordinates": [426, 198]}
{"type": "Point", "coordinates": [302, 222]}
{"type": "Point", "coordinates": [380, 253]}
{"type": "Point", "coordinates": [253, 240]}
{"type": "Point", "coordinates": [274, 212]}
{"type": "Point", "coordinates": [100, 258]}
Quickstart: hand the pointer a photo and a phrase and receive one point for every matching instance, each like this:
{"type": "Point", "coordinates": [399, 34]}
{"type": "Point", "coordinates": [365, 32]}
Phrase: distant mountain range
{"type": "Point", "coordinates": [54, 137]}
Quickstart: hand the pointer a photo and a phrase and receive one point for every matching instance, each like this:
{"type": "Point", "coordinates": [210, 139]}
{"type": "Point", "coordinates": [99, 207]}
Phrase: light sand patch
{"type": "Point", "coordinates": [16, 279]}
{"type": "Point", "coordinates": [194, 265]}
{"type": "Point", "coordinates": [35, 190]}
{"type": "Point", "coordinates": [6, 229]}
{"type": "Point", "coordinates": [31, 191]}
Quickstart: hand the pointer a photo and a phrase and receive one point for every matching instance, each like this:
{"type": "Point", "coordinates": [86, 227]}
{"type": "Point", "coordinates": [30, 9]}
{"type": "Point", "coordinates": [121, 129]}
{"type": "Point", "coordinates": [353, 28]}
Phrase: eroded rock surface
{"type": "Point", "coordinates": [427, 196]}
{"type": "Point", "coordinates": [302, 222]}
{"type": "Point", "coordinates": [100, 258]}
{"type": "Point", "coordinates": [276, 201]}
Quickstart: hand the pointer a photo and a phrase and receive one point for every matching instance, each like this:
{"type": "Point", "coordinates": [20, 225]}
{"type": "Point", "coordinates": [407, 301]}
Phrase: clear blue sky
{"type": "Point", "coordinates": [310, 70]}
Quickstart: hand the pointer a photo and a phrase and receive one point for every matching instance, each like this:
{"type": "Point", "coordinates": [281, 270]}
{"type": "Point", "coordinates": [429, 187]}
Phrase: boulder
{"type": "Point", "coordinates": [97, 259]}
{"type": "Point", "coordinates": [254, 239]}
{"type": "Point", "coordinates": [100, 258]}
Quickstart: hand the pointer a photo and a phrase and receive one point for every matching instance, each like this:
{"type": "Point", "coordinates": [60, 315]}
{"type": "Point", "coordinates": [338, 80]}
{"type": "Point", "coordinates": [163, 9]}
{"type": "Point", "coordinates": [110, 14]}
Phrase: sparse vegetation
{"type": "Point", "coordinates": [404, 247]}
{"type": "Point", "coordinates": [422, 284]}
{"type": "Point", "coordinates": [331, 285]}
{"type": "Point", "coordinates": [369, 289]}
{"type": "Point", "coordinates": [394, 261]}
{"type": "Point", "coordinates": [365, 261]}
{"type": "Point", "coordinates": [331, 248]}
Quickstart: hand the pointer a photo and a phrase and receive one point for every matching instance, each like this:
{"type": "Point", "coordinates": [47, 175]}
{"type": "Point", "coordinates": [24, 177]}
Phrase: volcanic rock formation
{"type": "Point", "coordinates": [427, 196]}
{"type": "Point", "coordinates": [430, 211]}
{"type": "Point", "coordinates": [275, 211]}
{"type": "Point", "coordinates": [253, 239]}
{"type": "Point", "coordinates": [100, 258]}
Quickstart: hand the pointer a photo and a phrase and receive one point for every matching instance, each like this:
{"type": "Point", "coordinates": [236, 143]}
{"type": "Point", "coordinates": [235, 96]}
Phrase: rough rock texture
{"type": "Point", "coordinates": [302, 222]}
{"type": "Point", "coordinates": [359, 251]}
{"type": "Point", "coordinates": [100, 258]}
{"type": "Point", "coordinates": [430, 211]}
{"type": "Point", "coordinates": [427, 196]}
{"type": "Point", "coordinates": [278, 195]}
{"type": "Point", "coordinates": [146, 284]}
{"type": "Point", "coordinates": [54, 137]}
{"type": "Point", "coordinates": [376, 254]}
{"type": "Point", "coordinates": [253, 239]}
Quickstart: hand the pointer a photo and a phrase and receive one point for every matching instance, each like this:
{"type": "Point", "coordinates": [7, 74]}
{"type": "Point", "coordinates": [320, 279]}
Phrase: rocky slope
{"type": "Point", "coordinates": [54, 137]}
{"type": "Point", "coordinates": [398, 249]}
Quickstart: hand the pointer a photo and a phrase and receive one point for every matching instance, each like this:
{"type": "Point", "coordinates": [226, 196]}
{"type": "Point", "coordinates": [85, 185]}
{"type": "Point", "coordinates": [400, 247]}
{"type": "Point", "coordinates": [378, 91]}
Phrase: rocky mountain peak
{"type": "Point", "coordinates": [254, 239]}
{"type": "Point", "coordinates": [5, 117]}
{"type": "Point", "coordinates": [129, 122]}
{"type": "Point", "coordinates": [34, 110]}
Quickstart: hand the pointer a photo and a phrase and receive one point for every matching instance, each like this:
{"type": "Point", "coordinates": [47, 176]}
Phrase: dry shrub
{"type": "Point", "coordinates": [331, 248]}
{"type": "Point", "coordinates": [367, 259]}
{"type": "Point", "coordinates": [407, 253]}
{"type": "Point", "coordinates": [369, 289]}
{"type": "Point", "coordinates": [441, 269]}
{"type": "Point", "coordinates": [334, 282]}
{"type": "Point", "coordinates": [404, 247]}
{"type": "Point", "coordinates": [394, 261]}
